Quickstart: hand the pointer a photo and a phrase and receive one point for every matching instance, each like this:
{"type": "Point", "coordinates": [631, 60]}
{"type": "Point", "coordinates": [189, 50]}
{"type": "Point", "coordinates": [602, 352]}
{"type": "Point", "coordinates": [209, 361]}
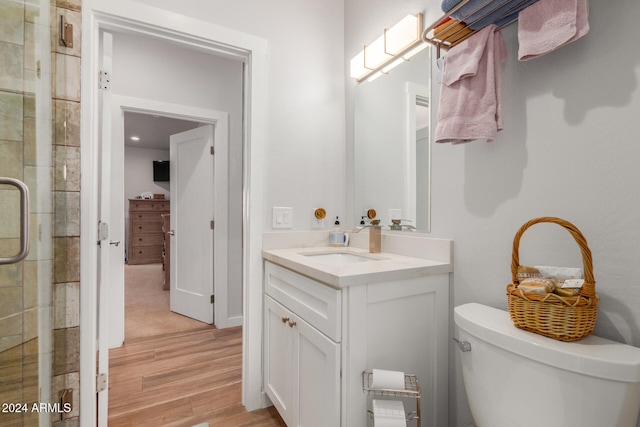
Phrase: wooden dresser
{"type": "Point", "coordinates": [146, 239]}
{"type": "Point", "coordinates": [166, 252]}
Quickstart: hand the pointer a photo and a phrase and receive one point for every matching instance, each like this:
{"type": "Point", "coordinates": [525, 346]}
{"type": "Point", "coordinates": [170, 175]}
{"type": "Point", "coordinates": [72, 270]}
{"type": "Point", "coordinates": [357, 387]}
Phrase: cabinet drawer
{"type": "Point", "coordinates": [161, 206]}
{"type": "Point", "coordinates": [318, 304]}
{"type": "Point", "coordinates": [146, 227]}
{"type": "Point", "coordinates": [142, 216]}
{"type": "Point", "coordinates": [146, 253]}
{"type": "Point", "coordinates": [149, 205]}
{"type": "Point", "coordinates": [140, 205]}
{"type": "Point", "coordinates": [155, 239]}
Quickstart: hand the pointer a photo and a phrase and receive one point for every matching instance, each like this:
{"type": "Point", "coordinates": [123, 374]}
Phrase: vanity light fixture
{"type": "Point", "coordinates": [135, 138]}
{"type": "Point", "coordinates": [396, 45]}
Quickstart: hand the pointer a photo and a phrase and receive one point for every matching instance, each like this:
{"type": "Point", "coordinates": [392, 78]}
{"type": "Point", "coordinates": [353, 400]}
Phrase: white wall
{"type": "Point", "coordinates": [147, 69]}
{"type": "Point", "coordinates": [305, 164]}
{"type": "Point", "coordinates": [138, 172]}
{"type": "Point", "coordinates": [569, 149]}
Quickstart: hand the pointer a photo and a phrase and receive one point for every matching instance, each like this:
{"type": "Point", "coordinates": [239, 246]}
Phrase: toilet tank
{"type": "Point", "coordinates": [515, 378]}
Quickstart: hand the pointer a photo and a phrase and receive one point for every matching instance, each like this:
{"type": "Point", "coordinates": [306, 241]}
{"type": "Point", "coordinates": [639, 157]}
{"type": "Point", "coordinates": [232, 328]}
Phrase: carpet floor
{"type": "Point", "coordinates": [147, 305]}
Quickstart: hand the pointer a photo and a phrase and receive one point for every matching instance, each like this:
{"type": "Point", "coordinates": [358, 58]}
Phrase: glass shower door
{"type": "Point", "coordinates": [26, 215]}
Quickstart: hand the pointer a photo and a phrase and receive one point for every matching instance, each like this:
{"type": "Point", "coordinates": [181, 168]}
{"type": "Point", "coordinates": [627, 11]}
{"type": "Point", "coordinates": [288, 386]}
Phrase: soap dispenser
{"type": "Point", "coordinates": [337, 236]}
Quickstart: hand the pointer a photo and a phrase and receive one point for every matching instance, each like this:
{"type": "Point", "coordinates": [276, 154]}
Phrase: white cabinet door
{"type": "Point", "coordinates": [279, 358]}
{"type": "Point", "coordinates": [317, 377]}
{"type": "Point", "coordinates": [301, 369]}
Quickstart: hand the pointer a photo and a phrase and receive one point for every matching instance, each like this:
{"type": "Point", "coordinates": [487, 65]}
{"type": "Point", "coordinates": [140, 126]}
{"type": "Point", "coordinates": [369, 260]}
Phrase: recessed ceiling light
{"type": "Point", "coordinates": [135, 138]}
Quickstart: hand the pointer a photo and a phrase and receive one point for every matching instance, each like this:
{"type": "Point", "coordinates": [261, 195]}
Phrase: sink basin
{"type": "Point", "coordinates": [341, 258]}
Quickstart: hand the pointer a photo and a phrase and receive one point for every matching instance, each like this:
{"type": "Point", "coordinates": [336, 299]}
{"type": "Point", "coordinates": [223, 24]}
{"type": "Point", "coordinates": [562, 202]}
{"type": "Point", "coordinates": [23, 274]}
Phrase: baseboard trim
{"type": "Point", "coordinates": [234, 321]}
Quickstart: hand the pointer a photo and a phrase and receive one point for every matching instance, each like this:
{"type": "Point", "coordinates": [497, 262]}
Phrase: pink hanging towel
{"type": "Point", "coordinates": [470, 97]}
{"type": "Point", "coordinates": [549, 24]}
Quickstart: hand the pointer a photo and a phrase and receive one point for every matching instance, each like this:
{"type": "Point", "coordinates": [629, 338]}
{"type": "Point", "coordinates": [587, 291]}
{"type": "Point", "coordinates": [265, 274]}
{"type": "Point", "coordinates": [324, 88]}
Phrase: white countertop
{"type": "Point", "coordinates": [385, 267]}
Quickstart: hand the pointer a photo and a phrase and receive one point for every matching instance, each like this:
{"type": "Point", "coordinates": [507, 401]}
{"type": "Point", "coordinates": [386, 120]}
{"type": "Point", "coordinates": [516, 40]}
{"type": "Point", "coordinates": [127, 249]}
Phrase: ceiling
{"type": "Point", "coordinates": [154, 131]}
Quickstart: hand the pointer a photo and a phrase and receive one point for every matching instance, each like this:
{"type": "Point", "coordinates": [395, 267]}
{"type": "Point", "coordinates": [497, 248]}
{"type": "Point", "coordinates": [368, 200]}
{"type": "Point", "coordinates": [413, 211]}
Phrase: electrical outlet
{"type": "Point", "coordinates": [318, 218]}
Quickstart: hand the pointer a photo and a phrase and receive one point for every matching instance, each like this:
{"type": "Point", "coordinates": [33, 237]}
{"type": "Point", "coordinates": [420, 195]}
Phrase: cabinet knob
{"type": "Point", "coordinates": [292, 323]}
{"type": "Point", "coordinates": [285, 319]}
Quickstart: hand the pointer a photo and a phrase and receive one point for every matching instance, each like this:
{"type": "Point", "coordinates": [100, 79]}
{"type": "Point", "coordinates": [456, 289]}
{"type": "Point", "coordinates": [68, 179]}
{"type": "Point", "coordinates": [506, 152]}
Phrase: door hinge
{"type": "Point", "coordinates": [212, 224]}
{"type": "Point", "coordinates": [103, 231]}
{"type": "Point", "coordinates": [213, 299]}
{"type": "Point", "coordinates": [66, 32]}
{"type": "Point", "coordinates": [213, 151]}
{"type": "Point", "coordinates": [104, 80]}
{"type": "Point", "coordinates": [101, 382]}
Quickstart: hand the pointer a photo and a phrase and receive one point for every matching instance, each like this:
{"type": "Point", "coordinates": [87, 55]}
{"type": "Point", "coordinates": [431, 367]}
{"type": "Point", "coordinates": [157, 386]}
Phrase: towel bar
{"type": "Point", "coordinates": [463, 29]}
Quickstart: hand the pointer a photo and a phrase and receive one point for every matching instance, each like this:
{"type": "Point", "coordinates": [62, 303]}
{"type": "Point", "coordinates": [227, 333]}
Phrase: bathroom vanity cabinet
{"type": "Point", "coordinates": [319, 337]}
{"type": "Point", "coordinates": [302, 348]}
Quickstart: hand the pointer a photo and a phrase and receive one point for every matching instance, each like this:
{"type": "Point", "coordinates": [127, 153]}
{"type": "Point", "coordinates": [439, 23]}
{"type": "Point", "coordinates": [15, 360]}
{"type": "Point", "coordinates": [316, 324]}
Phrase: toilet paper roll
{"type": "Point", "coordinates": [390, 380]}
{"type": "Point", "coordinates": [388, 413]}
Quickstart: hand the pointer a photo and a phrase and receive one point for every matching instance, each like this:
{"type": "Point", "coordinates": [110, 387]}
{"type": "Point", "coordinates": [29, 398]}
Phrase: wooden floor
{"type": "Point", "coordinates": [182, 379]}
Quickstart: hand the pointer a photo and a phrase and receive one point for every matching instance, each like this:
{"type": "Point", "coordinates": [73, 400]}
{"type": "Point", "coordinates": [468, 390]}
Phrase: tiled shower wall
{"type": "Point", "coordinates": [40, 145]}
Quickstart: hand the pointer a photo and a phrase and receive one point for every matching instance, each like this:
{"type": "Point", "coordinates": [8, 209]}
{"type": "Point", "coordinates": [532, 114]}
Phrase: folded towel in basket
{"type": "Point", "coordinates": [537, 285]}
{"type": "Point", "coordinates": [550, 272]}
{"type": "Point", "coordinates": [550, 24]}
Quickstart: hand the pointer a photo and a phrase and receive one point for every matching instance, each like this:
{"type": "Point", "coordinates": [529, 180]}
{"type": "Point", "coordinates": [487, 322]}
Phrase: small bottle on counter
{"type": "Point", "coordinates": [336, 236]}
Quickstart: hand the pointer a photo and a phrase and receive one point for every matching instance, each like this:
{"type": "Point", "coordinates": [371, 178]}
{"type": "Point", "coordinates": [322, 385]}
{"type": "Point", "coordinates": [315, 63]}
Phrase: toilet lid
{"type": "Point", "coordinates": [595, 356]}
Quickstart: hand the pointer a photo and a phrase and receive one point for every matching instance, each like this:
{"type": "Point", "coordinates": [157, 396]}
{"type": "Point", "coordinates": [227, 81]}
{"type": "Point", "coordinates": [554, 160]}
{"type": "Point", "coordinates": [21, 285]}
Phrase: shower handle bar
{"type": "Point", "coordinates": [24, 221]}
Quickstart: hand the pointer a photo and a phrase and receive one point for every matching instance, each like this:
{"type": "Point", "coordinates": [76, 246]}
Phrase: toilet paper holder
{"type": "Point", "coordinates": [411, 390]}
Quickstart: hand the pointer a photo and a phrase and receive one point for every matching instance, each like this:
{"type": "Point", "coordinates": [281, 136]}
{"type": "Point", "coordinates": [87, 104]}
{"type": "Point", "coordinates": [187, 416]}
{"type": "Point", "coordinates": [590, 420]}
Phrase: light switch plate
{"type": "Point", "coordinates": [282, 217]}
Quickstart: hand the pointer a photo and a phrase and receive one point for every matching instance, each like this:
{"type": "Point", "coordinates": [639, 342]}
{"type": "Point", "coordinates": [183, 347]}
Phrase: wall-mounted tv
{"type": "Point", "coordinates": [161, 170]}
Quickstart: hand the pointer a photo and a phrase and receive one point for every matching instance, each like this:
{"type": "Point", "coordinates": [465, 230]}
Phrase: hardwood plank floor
{"type": "Point", "coordinates": [182, 379]}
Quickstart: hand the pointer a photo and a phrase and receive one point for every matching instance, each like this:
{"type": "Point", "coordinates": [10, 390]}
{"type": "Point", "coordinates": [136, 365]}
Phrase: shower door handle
{"type": "Point", "coordinates": [24, 221]}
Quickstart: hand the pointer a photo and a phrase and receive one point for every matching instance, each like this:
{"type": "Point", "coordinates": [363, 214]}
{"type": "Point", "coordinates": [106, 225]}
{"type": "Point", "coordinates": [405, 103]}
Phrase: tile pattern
{"type": "Point", "coordinates": [40, 144]}
{"type": "Point", "coordinates": [65, 122]}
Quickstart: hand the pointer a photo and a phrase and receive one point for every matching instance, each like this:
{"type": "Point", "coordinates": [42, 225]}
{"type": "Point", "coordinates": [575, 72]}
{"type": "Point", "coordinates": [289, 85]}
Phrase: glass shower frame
{"type": "Point", "coordinates": [26, 159]}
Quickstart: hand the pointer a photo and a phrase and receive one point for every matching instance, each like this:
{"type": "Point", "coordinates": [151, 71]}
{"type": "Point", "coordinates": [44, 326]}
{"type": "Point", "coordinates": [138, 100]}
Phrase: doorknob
{"type": "Point", "coordinates": [171, 232]}
{"type": "Point", "coordinates": [114, 242]}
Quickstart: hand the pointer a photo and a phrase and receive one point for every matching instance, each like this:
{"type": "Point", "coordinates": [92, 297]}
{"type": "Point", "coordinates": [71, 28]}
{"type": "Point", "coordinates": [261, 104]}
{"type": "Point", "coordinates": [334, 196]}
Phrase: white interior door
{"type": "Point", "coordinates": [192, 210]}
{"type": "Point", "coordinates": [104, 212]}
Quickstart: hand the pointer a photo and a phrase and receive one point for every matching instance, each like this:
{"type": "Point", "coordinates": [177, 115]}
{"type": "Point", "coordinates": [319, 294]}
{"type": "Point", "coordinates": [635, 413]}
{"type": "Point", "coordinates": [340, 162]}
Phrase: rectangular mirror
{"type": "Point", "coordinates": [392, 145]}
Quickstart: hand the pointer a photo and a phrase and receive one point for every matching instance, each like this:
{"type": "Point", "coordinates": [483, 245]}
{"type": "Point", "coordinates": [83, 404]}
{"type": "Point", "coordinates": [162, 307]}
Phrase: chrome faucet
{"type": "Point", "coordinates": [375, 235]}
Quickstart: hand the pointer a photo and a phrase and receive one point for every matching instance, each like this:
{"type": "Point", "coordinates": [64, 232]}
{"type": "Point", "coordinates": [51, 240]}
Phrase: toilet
{"type": "Point", "coordinates": [515, 378]}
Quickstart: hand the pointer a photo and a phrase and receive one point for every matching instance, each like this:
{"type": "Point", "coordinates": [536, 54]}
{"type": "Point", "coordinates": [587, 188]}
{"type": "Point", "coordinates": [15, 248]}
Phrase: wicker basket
{"type": "Point", "coordinates": [551, 315]}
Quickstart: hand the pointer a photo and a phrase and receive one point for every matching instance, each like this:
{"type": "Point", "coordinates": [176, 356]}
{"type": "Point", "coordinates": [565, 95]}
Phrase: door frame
{"type": "Point", "coordinates": [134, 17]}
{"type": "Point", "coordinates": [219, 119]}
